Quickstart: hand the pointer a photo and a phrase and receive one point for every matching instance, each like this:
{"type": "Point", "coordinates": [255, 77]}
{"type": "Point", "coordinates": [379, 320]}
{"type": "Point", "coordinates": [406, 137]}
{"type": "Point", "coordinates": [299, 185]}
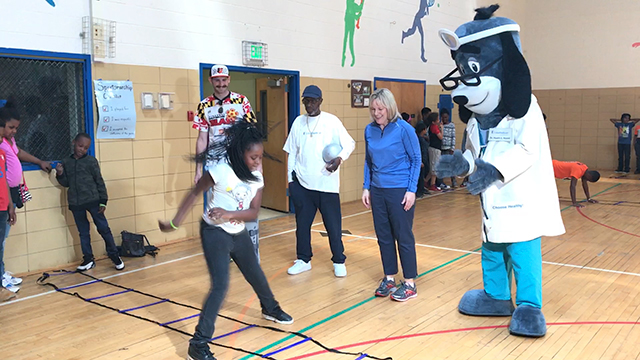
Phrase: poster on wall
{"type": "Point", "coordinates": [116, 110]}
{"type": "Point", "coordinates": [360, 93]}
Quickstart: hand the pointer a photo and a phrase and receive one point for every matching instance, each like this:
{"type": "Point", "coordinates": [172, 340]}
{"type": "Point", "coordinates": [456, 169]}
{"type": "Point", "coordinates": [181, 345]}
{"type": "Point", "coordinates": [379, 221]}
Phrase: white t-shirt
{"type": "Point", "coordinates": [231, 194]}
{"type": "Point", "coordinates": [307, 139]}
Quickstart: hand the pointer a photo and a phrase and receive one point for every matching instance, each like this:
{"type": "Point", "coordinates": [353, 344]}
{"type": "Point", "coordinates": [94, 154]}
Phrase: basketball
{"type": "Point", "coordinates": [331, 152]}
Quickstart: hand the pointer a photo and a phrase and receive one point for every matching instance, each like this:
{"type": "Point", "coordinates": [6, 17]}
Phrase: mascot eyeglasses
{"type": "Point", "coordinates": [450, 82]}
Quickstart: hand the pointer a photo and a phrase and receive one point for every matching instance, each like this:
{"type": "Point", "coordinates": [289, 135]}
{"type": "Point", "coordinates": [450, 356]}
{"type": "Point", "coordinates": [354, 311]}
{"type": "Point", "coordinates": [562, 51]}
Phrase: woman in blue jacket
{"type": "Point", "coordinates": [391, 173]}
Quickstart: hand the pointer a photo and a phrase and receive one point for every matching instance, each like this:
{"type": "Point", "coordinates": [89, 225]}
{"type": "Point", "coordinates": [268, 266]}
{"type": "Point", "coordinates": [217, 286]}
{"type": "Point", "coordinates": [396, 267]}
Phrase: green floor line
{"type": "Point", "coordinates": [348, 309]}
{"type": "Point", "coordinates": [605, 190]}
{"type": "Point", "coordinates": [373, 297]}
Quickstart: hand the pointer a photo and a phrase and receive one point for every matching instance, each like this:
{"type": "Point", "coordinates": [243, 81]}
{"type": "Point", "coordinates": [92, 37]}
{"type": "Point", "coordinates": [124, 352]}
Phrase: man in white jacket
{"type": "Point", "coordinates": [509, 161]}
{"type": "Point", "coordinates": [313, 183]}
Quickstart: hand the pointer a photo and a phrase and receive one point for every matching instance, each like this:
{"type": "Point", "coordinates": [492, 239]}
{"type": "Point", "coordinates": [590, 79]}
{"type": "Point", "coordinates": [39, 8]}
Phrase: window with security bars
{"type": "Point", "coordinates": [49, 95]}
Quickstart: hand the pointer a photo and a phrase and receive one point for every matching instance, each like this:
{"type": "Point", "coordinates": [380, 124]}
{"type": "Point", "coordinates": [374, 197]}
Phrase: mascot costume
{"type": "Point", "coordinates": [508, 160]}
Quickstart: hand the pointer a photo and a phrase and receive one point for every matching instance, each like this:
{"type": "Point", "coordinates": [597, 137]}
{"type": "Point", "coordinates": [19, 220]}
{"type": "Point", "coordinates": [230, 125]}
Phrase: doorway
{"type": "Point", "coordinates": [274, 97]}
{"type": "Point", "coordinates": [410, 95]}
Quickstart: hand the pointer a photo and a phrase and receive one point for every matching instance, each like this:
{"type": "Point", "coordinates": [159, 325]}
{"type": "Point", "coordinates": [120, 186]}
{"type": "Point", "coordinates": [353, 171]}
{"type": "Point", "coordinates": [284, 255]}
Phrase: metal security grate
{"type": "Point", "coordinates": [50, 97]}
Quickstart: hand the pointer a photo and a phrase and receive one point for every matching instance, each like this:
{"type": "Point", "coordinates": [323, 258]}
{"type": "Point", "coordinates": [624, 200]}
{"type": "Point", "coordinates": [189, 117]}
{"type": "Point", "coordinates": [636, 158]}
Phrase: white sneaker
{"type": "Point", "coordinates": [340, 270]}
{"type": "Point", "coordinates": [13, 288]}
{"type": "Point", "coordinates": [299, 266]}
{"type": "Point", "coordinates": [12, 279]}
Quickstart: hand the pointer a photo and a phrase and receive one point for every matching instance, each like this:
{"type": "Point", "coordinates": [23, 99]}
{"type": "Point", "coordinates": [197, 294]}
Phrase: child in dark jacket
{"type": "Point", "coordinates": [80, 172]}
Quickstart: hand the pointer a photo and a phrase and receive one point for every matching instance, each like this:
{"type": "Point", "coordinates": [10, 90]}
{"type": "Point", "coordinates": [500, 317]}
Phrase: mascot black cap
{"type": "Point", "coordinates": [494, 77]}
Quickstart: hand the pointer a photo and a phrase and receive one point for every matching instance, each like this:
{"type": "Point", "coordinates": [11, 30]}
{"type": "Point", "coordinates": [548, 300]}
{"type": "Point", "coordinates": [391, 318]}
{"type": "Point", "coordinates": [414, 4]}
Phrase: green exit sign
{"type": "Point", "coordinates": [254, 53]}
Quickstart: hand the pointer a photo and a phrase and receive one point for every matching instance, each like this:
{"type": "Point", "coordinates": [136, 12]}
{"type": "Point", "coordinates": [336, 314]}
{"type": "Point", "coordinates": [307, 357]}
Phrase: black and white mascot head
{"type": "Point", "coordinates": [494, 79]}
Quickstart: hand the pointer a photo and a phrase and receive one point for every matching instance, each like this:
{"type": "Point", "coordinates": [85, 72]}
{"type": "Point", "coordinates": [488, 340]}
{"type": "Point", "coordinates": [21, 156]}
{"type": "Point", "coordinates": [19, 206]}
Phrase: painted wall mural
{"type": "Point", "coordinates": [352, 16]}
{"type": "Point", "coordinates": [417, 25]}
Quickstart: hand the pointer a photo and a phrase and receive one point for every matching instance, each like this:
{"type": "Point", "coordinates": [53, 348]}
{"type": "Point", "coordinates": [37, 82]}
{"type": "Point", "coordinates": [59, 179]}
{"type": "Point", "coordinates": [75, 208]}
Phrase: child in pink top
{"type": "Point", "coordinates": [14, 170]}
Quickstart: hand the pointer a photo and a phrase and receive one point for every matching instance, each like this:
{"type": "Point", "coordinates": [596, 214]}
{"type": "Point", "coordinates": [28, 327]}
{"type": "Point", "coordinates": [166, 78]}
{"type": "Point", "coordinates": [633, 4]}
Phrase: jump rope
{"type": "Point", "coordinates": [45, 276]}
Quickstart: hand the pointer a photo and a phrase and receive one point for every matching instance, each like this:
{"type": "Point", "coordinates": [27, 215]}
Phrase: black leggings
{"type": "Point", "coordinates": [218, 246]}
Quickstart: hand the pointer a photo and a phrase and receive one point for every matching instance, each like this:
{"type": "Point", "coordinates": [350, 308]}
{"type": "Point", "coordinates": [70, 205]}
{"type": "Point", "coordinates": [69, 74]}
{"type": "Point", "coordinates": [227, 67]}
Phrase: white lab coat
{"type": "Point", "coordinates": [524, 205]}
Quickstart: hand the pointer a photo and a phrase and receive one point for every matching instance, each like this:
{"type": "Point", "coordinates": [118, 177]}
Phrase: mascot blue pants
{"type": "Point", "coordinates": [499, 261]}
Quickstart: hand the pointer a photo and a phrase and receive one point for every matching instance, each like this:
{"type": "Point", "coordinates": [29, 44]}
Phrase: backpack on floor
{"type": "Point", "coordinates": [133, 245]}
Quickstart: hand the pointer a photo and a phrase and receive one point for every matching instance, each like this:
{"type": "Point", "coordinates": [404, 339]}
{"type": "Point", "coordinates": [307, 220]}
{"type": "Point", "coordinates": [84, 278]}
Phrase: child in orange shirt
{"type": "Point", "coordinates": [575, 170]}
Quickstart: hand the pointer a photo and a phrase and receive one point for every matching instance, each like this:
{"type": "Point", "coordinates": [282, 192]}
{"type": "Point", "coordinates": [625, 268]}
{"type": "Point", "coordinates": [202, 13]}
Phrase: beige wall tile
{"type": "Point", "coordinates": [148, 186]}
{"type": "Point", "coordinates": [149, 203]}
{"type": "Point", "coordinates": [39, 220]}
{"type": "Point", "coordinates": [38, 241]}
{"type": "Point", "coordinates": [148, 167]}
{"type": "Point", "coordinates": [178, 114]}
{"type": "Point", "coordinates": [572, 140]}
{"type": "Point", "coordinates": [40, 179]}
{"type": "Point", "coordinates": [118, 224]}
{"type": "Point", "coordinates": [194, 96]}
{"type": "Point", "coordinates": [120, 150]}
{"type": "Point", "coordinates": [46, 198]}
{"type": "Point", "coordinates": [119, 189]}
{"type": "Point", "coordinates": [170, 76]}
{"type": "Point", "coordinates": [144, 149]}
{"type": "Point", "coordinates": [107, 71]}
{"type": "Point", "coordinates": [117, 170]}
{"type": "Point", "coordinates": [21, 223]}
{"type": "Point", "coordinates": [172, 199]}
{"type": "Point", "coordinates": [47, 259]}
{"type": "Point", "coordinates": [174, 182]}
{"type": "Point", "coordinates": [193, 76]}
{"type": "Point", "coordinates": [180, 94]}
{"type": "Point", "coordinates": [139, 88]}
{"type": "Point", "coordinates": [149, 131]}
{"type": "Point", "coordinates": [15, 245]}
{"type": "Point", "coordinates": [155, 236]}
{"type": "Point", "coordinates": [177, 165]}
{"type": "Point", "coordinates": [178, 147]}
{"type": "Point", "coordinates": [148, 222]}
{"type": "Point", "coordinates": [185, 231]}
{"type": "Point", "coordinates": [118, 208]}
{"type": "Point", "coordinates": [148, 115]}
{"type": "Point", "coordinates": [175, 130]}
{"type": "Point", "coordinates": [17, 264]}
{"type": "Point", "coordinates": [144, 75]}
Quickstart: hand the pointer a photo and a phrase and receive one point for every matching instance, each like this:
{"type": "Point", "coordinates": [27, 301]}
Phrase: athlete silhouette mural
{"type": "Point", "coordinates": [417, 25]}
{"type": "Point", "coordinates": [351, 23]}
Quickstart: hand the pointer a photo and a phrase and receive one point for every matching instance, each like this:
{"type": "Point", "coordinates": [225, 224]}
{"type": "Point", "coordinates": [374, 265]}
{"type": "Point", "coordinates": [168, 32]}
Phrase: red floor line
{"type": "Point", "coordinates": [430, 333]}
{"type": "Point", "coordinates": [605, 225]}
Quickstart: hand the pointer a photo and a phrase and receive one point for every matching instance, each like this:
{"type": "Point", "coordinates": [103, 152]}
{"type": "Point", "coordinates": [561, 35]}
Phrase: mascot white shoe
{"type": "Point", "coordinates": [508, 161]}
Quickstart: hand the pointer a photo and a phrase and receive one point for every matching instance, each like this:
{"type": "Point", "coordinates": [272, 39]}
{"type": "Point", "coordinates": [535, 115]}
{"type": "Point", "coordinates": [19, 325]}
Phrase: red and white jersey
{"type": "Point", "coordinates": [215, 115]}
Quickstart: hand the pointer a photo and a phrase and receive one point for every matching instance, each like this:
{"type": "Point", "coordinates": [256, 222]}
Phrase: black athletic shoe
{"type": "Point", "coordinates": [278, 315]}
{"type": "Point", "coordinates": [199, 353]}
{"type": "Point", "coordinates": [86, 265]}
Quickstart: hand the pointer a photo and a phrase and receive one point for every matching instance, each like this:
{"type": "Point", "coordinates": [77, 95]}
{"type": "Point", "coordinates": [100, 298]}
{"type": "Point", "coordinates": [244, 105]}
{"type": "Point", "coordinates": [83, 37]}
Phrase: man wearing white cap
{"type": "Point", "coordinates": [214, 114]}
{"type": "Point", "coordinates": [219, 111]}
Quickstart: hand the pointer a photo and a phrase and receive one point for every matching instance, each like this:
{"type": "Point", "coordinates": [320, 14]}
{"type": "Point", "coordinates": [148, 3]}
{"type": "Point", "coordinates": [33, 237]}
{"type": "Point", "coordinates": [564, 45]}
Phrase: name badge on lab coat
{"type": "Point", "coordinates": [505, 135]}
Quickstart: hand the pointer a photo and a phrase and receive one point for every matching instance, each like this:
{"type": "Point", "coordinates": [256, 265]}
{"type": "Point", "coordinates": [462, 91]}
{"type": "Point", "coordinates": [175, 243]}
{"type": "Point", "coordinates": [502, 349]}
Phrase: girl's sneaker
{"type": "Point", "coordinates": [11, 279]}
{"type": "Point", "coordinates": [278, 315]}
{"type": "Point", "coordinates": [386, 287]}
{"type": "Point", "coordinates": [405, 292]}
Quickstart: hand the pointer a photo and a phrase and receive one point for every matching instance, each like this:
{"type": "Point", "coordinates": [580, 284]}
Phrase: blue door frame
{"type": "Point", "coordinates": [293, 92]}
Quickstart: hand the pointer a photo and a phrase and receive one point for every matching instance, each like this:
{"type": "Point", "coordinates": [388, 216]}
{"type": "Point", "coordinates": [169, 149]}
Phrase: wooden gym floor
{"type": "Point", "coordinates": [591, 294]}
